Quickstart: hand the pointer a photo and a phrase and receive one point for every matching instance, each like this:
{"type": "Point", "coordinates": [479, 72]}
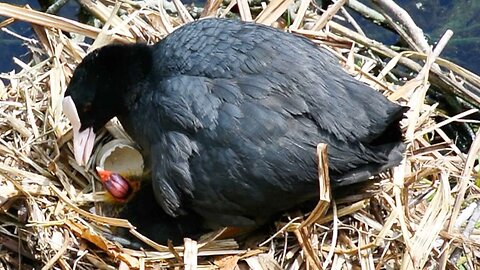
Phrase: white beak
{"type": "Point", "coordinates": [83, 141]}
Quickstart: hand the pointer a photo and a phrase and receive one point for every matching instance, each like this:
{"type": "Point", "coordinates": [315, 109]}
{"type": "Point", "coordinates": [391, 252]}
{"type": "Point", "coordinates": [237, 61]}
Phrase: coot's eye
{"type": "Point", "coordinates": [87, 107]}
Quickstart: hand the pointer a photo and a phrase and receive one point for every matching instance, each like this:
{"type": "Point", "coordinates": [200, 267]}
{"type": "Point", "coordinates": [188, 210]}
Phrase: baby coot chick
{"type": "Point", "coordinates": [228, 115]}
{"type": "Point", "coordinates": [119, 189]}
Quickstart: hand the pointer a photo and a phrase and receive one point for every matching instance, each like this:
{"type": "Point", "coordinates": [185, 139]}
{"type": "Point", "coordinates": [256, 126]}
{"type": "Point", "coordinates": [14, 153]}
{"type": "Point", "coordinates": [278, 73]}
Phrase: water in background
{"type": "Point", "coordinates": [11, 46]}
{"type": "Point", "coordinates": [433, 16]}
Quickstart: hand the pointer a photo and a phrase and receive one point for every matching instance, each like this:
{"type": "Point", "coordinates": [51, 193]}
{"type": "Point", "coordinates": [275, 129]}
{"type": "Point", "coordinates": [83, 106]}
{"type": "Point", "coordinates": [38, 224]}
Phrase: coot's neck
{"type": "Point", "coordinates": [133, 69]}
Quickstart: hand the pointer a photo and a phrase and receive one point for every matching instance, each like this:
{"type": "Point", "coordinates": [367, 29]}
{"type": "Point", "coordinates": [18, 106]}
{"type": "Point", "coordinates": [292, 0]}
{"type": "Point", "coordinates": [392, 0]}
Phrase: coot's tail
{"type": "Point", "coordinates": [383, 152]}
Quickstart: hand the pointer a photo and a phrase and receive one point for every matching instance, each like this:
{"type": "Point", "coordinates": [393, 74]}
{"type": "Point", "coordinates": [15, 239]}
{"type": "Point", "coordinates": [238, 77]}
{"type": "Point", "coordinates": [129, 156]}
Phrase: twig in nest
{"type": "Point", "coordinates": [366, 11]}
{"type": "Point", "coordinates": [329, 13]}
{"type": "Point", "coordinates": [467, 232]}
{"type": "Point", "coordinates": [55, 7]}
{"type": "Point", "coordinates": [415, 35]}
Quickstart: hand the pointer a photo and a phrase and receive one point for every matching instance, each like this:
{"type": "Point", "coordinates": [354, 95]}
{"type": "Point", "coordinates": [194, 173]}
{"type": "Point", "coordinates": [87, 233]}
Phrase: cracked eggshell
{"type": "Point", "coordinates": [120, 156]}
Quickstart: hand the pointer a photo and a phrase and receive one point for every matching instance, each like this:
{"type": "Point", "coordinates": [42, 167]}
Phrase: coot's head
{"type": "Point", "coordinates": [98, 89]}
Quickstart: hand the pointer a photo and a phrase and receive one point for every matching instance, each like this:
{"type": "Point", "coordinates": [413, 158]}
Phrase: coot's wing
{"type": "Point", "coordinates": [211, 73]}
{"type": "Point", "coordinates": [240, 136]}
{"type": "Point", "coordinates": [171, 176]}
{"type": "Point", "coordinates": [340, 105]}
{"type": "Point", "coordinates": [236, 120]}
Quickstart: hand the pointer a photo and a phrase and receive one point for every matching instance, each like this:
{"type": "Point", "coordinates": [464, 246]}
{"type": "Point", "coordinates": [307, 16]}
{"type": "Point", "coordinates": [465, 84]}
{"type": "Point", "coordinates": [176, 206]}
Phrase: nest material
{"type": "Point", "coordinates": [423, 214]}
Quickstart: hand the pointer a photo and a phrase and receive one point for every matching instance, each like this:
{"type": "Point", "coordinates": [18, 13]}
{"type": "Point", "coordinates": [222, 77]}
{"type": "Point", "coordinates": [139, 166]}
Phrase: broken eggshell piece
{"type": "Point", "coordinates": [120, 156]}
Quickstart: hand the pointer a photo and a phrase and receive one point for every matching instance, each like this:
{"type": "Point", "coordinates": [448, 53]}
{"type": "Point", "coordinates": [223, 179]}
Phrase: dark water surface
{"type": "Point", "coordinates": [11, 46]}
{"type": "Point", "coordinates": [433, 16]}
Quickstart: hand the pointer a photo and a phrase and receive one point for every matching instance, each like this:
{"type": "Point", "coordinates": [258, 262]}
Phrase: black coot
{"type": "Point", "coordinates": [228, 115]}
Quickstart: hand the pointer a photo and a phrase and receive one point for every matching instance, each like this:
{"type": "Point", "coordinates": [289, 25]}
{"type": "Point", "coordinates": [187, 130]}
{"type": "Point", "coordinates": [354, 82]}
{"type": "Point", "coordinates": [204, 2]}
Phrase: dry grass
{"type": "Point", "coordinates": [422, 216]}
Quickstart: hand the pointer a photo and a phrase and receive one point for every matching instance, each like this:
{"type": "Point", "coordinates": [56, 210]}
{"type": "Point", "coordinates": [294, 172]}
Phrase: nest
{"type": "Point", "coordinates": [422, 215]}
